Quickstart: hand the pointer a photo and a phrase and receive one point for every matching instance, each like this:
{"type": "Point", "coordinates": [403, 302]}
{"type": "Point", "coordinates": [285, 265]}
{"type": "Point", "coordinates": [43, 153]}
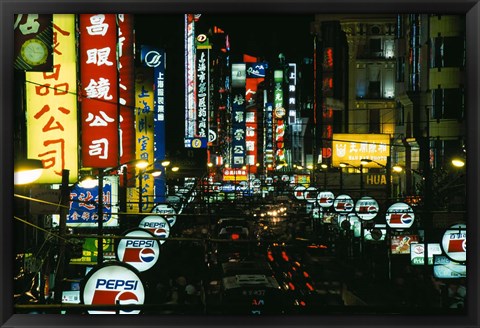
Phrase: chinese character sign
{"type": "Point", "coordinates": [190, 108]}
{"type": "Point", "coordinates": [126, 87]}
{"type": "Point", "coordinates": [268, 143]}
{"type": "Point", "coordinates": [155, 60]}
{"type": "Point", "coordinates": [144, 135]}
{"type": "Point", "coordinates": [99, 80]}
{"type": "Point", "coordinates": [351, 148]}
{"type": "Point", "coordinates": [238, 127]}
{"type": "Point", "coordinates": [52, 107]}
{"type": "Point", "coordinates": [84, 205]}
{"type": "Point", "coordinates": [202, 92]}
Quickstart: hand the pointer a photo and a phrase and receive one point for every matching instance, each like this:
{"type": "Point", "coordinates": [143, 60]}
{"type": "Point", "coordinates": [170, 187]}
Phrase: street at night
{"type": "Point", "coordinates": [263, 165]}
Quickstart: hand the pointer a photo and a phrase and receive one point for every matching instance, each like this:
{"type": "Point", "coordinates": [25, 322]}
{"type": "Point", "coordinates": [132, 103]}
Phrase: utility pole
{"type": "Point", "coordinates": [62, 260]}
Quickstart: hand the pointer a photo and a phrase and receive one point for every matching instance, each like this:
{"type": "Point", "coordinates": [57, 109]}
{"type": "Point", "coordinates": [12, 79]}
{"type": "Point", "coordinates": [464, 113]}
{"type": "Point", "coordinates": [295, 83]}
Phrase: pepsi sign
{"type": "Point", "coordinates": [157, 225]}
{"type": "Point", "coordinates": [366, 208]}
{"type": "Point", "coordinates": [343, 204]}
{"type": "Point", "coordinates": [454, 243]}
{"type": "Point", "coordinates": [400, 216]}
{"type": "Point", "coordinates": [168, 211]}
{"type": "Point", "coordinates": [325, 198]}
{"type": "Point", "coordinates": [299, 192]}
{"type": "Point", "coordinates": [142, 254]}
{"type": "Point", "coordinates": [311, 194]}
{"type": "Point", "coordinates": [113, 283]}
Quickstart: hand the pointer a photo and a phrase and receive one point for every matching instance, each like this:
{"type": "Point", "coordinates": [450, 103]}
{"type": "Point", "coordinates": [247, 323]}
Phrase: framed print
{"type": "Point", "coordinates": [169, 162]}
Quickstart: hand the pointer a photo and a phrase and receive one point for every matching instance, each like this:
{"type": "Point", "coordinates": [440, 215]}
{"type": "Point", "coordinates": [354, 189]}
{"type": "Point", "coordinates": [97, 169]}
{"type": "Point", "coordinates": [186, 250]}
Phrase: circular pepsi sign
{"type": "Point", "coordinates": [325, 198]}
{"type": "Point", "coordinates": [168, 211]}
{"type": "Point", "coordinates": [343, 204]}
{"type": "Point", "coordinates": [157, 225]}
{"type": "Point", "coordinates": [366, 208]}
{"type": "Point", "coordinates": [400, 216]}
{"type": "Point", "coordinates": [454, 243]}
{"type": "Point", "coordinates": [311, 194]}
{"type": "Point", "coordinates": [141, 253]}
{"type": "Point", "coordinates": [112, 283]}
{"type": "Point", "coordinates": [299, 192]}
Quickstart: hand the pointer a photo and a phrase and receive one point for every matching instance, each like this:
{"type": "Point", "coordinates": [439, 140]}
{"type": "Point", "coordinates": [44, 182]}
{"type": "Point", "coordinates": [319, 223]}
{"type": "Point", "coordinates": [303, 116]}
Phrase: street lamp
{"type": "Point", "coordinates": [27, 171]}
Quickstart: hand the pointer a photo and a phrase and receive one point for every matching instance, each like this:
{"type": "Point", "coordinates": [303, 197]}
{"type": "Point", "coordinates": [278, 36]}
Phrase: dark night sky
{"type": "Point", "coordinates": [258, 35]}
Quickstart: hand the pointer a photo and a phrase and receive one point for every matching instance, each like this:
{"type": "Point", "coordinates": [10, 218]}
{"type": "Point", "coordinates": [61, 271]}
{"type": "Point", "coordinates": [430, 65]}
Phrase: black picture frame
{"type": "Point", "coordinates": [471, 8]}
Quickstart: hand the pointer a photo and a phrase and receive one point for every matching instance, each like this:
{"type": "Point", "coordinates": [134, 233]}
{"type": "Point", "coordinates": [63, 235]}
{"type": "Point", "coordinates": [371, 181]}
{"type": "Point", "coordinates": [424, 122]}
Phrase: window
{"type": "Point", "coordinates": [376, 47]}
{"type": "Point", "coordinates": [374, 89]}
{"type": "Point", "coordinates": [448, 52]}
{"type": "Point", "coordinates": [448, 103]}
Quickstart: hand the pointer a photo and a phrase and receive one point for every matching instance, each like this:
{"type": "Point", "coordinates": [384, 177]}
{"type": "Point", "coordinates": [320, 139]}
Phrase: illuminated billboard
{"type": "Point", "coordinates": [190, 109]}
{"type": "Point", "coordinates": [99, 80]}
{"type": "Point", "coordinates": [51, 104]}
{"type": "Point", "coordinates": [144, 135]}
{"type": "Point", "coordinates": [126, 88]}
{"type": "Point", "coordinates": [351, 148]}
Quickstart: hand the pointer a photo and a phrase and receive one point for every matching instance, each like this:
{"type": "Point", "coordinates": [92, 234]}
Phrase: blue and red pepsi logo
{"type": "Point", "coordinates": [157, 228]}
{"type": "Point", "coordinates": [325, 200]}
{"type": "Point", "coordinates": [139, 251]}
{"type": "Point", "coordinates": [401, 218]}
{"type": "Point", "coordinates": [367, 209]}
{"type": "Point", "coordinates": [122, 291]}
{"type": "Point", "coordinates": [344, 206]}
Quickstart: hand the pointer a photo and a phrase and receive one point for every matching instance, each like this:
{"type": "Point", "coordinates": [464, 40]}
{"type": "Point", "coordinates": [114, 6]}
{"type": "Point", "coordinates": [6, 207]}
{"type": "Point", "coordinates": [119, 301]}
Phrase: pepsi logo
{"type": "Point", "coordinates": [160, 232]}
{"type": "Point", "coordinates": [140, 253]}
{"type": "Point", "coordinates": [126, 298]}
{"type": "Point", "coordinates": [147, 255]}
{"type": "Point", "coordinates": [113, 283]}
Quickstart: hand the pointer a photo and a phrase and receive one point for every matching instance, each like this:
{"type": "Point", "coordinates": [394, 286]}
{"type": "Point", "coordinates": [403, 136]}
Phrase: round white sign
{"type": "Point", "coordinates": [163, 209]}
{"type": "Point", "coordinates": [400, 216]}
{"type": "Point", "coordinates": [325, 198]}
{"type": "Point", "coordinates": [311, 194]}
{"type": "Point", "coordinates": [142, 254]}
{"type": "Point", "coordinates": [343, 204]}
{"type": "Point", "coordinates": [454, 243]}
{"type": "Point", "coordinates": [299, 192]}
{"type": "Point", "coordinates": [114, 282]}
{"type": "Point", "coordinates": [157, 225]}
{"type": "Point", "coordinates": [366, 208]}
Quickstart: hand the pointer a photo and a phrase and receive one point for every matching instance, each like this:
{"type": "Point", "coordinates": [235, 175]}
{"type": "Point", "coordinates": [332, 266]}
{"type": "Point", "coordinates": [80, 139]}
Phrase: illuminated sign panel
{"type": "Point", "coordinates": [84, 205]}
{"type": "Point", "coordinates": [454, 243]}
{"type": "Point", "coordinates": [190, 110]}
{"type": "Point", "coordinates": [251, 138]}
{"type": "Point", "coordinates": [110, 284]}
{"type": "Point", "coordinates": [141, 253]}
{"type": "Point", "coordinates": [234, 175]}
{"type": "Point", "coordinates": [417, 253]}
{"type": "Point", "coordinates": [279, 122]}
{"type": "Point", "coordinates": [238, 127]}
{"type": "Point", "coordinates": [268, 146]}
{"type": "Point", "coordinates": [155, 62]}
{"type": "Point", "coordinates": [401, 244]}
{"type": "Point", "coordinates": [144, 132]}
{"type": "Point", "coordinates": [202, 92]}
{"type": "Point", "coordinates": [99, 80]}
{"type": "Point", "coordinates": [51, 103]}
{"type": "Point", "coordinates": [351, 148]}
{"type": "Point", "coordinates": [126, 88]}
